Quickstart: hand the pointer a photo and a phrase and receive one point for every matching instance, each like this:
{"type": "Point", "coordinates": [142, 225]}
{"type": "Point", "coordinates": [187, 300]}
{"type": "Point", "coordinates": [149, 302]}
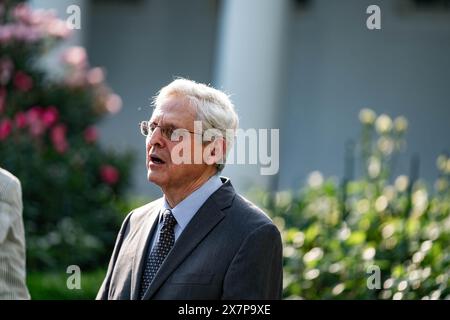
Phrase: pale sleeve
{"type": "Point", "coordinates": [10, 204]}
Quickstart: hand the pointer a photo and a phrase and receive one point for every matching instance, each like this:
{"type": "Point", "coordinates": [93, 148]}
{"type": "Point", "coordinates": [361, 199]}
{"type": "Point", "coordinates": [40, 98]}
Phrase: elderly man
{"type": "Point", "coordinates": [201, 240]}
{"type": "Point", "coordinates": [12, 239]}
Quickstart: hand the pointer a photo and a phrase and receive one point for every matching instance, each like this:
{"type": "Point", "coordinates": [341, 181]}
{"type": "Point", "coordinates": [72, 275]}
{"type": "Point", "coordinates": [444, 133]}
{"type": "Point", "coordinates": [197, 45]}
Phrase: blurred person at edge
{"type": "Point", "coordinates": [12, 240]}
{"type": "Point", "coordinates": [201, 240]}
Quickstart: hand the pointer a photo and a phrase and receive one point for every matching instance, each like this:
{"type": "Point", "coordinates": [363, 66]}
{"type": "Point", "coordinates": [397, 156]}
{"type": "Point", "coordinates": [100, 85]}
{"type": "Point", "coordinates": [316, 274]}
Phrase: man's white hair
{"type": "Point", "coordinates": [214, 108]}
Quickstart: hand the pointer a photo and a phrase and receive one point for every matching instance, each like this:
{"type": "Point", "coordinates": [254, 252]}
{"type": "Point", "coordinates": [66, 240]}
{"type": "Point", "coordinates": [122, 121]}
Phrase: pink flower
{"type": "Point", "coordinates": [113, 103]}
{"type": "Point", "coordinates": [22, 81]}
{"type": "Point", "coordinates": [95, 76]}
{"type": "Point", "coordinates": [58, 137]}
{"type": "Point", "coordinates": [21, 120]}
{"type": "Point", "coordinates": [90, 135]}
{"type": "Point", "coordinates": [76, 57]}
{"type": "Point", "coordinates": [22, 13]}
{"type": "Point", "coordinates": [50, 116]}
{"type": "Point", "coordinates": [109, 174]}
{"type": "Point", "coordinates": [5, 128]}
{"type": "Point", "coordinates": [34, 113]}
{"type": "Point", "coordinates": [34, 120]}
{"type": "Point", "coordinates": [23, 33]}
{"type": "Point", "coordinates": [58, 28]}
{"type": "Point", "coordinates": [6, 33]}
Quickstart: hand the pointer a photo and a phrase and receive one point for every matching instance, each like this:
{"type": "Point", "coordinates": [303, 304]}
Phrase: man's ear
{"type": "Point", "coordinates": [214, 152]}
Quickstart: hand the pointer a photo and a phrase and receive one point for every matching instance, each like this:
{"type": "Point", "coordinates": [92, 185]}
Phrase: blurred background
{"type": "Point", "coordinates": [363, 116]}
{"type": "Point", "coordinates": [306, 67]}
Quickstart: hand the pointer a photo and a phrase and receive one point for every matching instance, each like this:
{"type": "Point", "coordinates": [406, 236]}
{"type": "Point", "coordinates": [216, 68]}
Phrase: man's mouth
{"type": "Point", "coordinates": [155, 159]}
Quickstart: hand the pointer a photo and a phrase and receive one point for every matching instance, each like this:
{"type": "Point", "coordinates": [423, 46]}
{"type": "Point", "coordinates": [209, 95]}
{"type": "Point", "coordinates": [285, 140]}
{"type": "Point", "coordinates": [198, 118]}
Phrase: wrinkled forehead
{"type": "Point", "coordinates": [174, 110]}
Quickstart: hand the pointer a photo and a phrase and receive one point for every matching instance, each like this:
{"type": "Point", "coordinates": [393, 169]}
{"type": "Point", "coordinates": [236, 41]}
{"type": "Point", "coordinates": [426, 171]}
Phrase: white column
{"type": "Point", "coordinates": [249, 67]}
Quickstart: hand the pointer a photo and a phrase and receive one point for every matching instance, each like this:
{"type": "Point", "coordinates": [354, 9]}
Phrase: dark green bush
{"type": "Point", "coordinates": [53, 286]}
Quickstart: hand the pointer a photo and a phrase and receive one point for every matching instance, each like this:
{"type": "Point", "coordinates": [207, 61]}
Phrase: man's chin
{"type": "Point", "coordinates": [154, 177]}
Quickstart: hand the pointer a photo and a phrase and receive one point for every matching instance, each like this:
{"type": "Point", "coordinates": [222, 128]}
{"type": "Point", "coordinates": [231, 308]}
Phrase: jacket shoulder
{"type": "Point", "coordinates": [252, 210]}
{"type": "Point", "coordinates": [10, 188]}
{"type": "Point", "coordinates": [247, 217]}
{"type": "Point", "coordinates": [140, 214]}
{"type": "Point", "coordinates": [9, 180]}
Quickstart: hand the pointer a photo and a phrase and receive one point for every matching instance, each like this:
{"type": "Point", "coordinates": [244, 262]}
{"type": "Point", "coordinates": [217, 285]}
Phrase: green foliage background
{"type": "Point", "coordinates": [48, 139]}
{"type": "Point", "coordinates": [375, 237]}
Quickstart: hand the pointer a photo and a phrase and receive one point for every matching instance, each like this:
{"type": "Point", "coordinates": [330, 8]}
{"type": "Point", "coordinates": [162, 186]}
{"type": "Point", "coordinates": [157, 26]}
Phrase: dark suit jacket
{"type": "Point", "coordinates": [229, 250]}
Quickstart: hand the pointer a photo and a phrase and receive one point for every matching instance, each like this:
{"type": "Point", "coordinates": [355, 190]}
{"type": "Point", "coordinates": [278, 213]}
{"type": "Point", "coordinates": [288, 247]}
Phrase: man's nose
{"type": "Point", "coordinates": [155, 138]}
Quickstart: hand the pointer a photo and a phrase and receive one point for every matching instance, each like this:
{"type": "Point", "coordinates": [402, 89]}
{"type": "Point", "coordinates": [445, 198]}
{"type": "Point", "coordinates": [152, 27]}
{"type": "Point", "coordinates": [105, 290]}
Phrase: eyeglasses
{"type": "Point", "coordinates": [148, 128]}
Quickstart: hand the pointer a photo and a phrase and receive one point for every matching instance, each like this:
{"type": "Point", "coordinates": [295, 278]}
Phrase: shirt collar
{"type": "Point", "coordinates": [186, 209]}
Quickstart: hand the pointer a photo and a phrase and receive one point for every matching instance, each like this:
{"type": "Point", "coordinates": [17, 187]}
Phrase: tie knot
{"type": "Point", "coordinates": [169, 220]}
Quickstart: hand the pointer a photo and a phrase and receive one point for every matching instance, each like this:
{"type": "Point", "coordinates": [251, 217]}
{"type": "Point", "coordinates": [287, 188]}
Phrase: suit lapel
{"type": "Point", "coordinates": [144, 241]}
{"type": "Point", "coordinates": [206, 218]}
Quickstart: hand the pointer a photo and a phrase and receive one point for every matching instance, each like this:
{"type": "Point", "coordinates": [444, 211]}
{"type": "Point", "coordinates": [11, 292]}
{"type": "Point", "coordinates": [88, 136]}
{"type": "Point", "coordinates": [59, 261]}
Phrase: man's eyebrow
{"type": "Point", "coordinates": [165, 124]}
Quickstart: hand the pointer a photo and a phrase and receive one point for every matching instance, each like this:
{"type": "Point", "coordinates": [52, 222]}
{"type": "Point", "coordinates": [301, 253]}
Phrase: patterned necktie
{"type": "Point", "coordinates": [159, 252]}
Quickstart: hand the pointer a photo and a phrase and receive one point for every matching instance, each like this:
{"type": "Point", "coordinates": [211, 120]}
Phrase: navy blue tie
{"type": "Point", "coordinates": [159, 252]}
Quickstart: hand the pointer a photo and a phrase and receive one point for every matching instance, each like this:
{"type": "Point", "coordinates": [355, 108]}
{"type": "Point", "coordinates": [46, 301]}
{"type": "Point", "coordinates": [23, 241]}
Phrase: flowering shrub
{"type": "Point", "coordinates": [48, 138]}
{"type": "Point", "coordinates": [376, 237]}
